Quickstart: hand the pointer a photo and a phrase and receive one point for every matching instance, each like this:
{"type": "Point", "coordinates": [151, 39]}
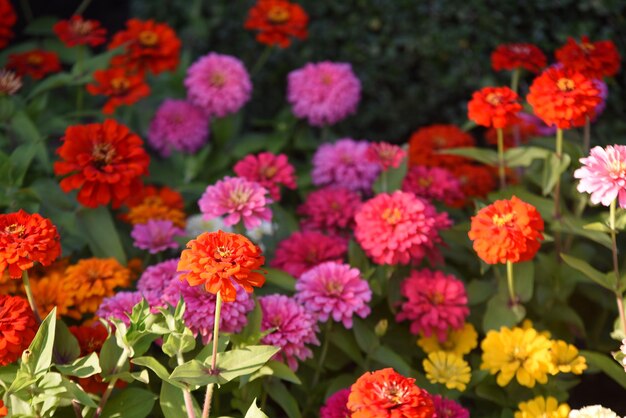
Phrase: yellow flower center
{"type": "Point", "coordinates": [393, 393]}
{"type": "Point", "coordinates": [102, 154]}
{"type": "Point", "coordinates": [15, 229]}
{"type": "Point", "coordinates": [81, 27]}
{"type": "Point", "coordinates": [502, 220]}
{"type": "Point", "coordinates": [425, 181]}
{"type": "Point", "coordinates": [223, 252]}
{"type": "Point", "coordinates": [565, 84]}
{"type": "Point", "coordinates": [240, 196]}
{"type": "Point", "coordinates": [494, 99]}
{"type": "Point", "coordinates": [617, 169]}
{"type": "Point", "coordinates": [120, 85]}
{"type": "Point", "coordinates": [440, 141]}
{"type": "Point", "coordinates": [34, 59]}
{"type": "Point", "coordinates": [392, 215]}
{"type": "Point", "coordinates": [587, 47]}
{"type": "Point", "coordinates": [269, 172]}
{"type": "Point", "coordinates": [278, 15]}
{"type": "Point", "coordinates": [217, 79]}
{"type": "Point", "coordinates": [437, 298]}
{"type": "Point", "coordinates": [333, 287]}
{"type": "Point", "coordinates": [148, 38]}
{"type": "Point", "coordinates": [327, 80]}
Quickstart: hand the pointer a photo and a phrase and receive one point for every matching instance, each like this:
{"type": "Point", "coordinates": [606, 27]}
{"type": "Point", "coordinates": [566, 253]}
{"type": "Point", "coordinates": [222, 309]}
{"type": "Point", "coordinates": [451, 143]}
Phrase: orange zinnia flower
{"type": "Point", "coordinates": [7, 20]}
{"type": "Point", "coordinates": [51, 290]}
{"type": "Point", "coordinates": [426, 141]}
{"type": "Point", "coordinates": [79, 31]}
{"type": "Point", "coordinates": [17, 327]}
{"type": "Point", "coordinates": [156, 204]}
{"type": "Point", "coordinates": [513, 56]}
{"type": "Point", "coordinates": [26, 239]}
{"type": "Point", "coordinates": [386, 393]}
{"type": "Point", "coordinates": [217, 259]}
{"type": "Point", "coordinates": [104, 160]}
{"type": "Point", "coordinates": [507, 230]}
{"type": "Point", "coordinates": [564, 97]}
{"type": "Point", "coordinates": [119, 86]}
{"type": "Point", "coordinates": [148, 46]}
{"type": "Point", "coordinates": [35, 63]}
{"type": "Point", "coordinates": [3, 409]}
{"type": "Point", "coordinates": [277, 21]}
{"type": "Point", "coordinates": [494, 106]}
{"type": "Point", "coordinates": [477, 181]}
{"type": "Point", "coordinates": [592, 59]}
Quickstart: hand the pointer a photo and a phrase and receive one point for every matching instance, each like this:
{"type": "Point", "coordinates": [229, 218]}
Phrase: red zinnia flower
{"type": "Point", "coordinates": [26, 239]}
{"type": "Point", "coordinates": [387, 394]}
{"type": "Point", "coordinates": [35, 63]}
{"type": "Point", "coordinates": [3, 409]}
{"type": "Point", "coordinates": [104, 160]}
{"type": "Point", "coordinates": [564, 97]}
{"type": "Point", "coordinates": [477, 181]}
{"type": "Point", "coordinates": [426, 141]}
{"type": "Point", "coordinates": [494, 106]}
{"type": "Point", "coordinates": [277, 21]}
{"type": "Point", "coordinates": [519, 133]}
{"type": "Point", "coordinates": [90, 338]}
{"type": "Point", "coordinates": [79, 31]}
{"type": "Point", "coordinates": [7, 20]}
{"type": "Point", "coordinates": [121, 87]}
{"type": "Point", "coordinates": [17, 327]}
{"type": "Point", "coordinates": [148, 46]}
{"type": "Point", "coordinates": [513, 56]}
{"type": "Point", "coordinates": [592, 59]}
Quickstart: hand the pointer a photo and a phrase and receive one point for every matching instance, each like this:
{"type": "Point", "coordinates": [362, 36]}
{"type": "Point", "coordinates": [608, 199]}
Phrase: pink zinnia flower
{"type": "Point", "coordinates": [433, 183]}
{"type": "Point", "coordinates": [336, 405]}
{"type": "Point", "coordinates": [119, 306]}
{"type": "Point", "coordinates": [323, 93]}
{"type": "Point", "coordinates": [334, 289]}
{"type": "Point", "coordinates": [302, 251]}
{"type": "Point", "coordinates": [155, 279]}
{"type": "Point", "coordinates": [603, 175]}
{"type": "Point", "coordinates": [237, 198]}
{"type": "Point", "coordinates": [180, 126]}
{"type": "Point", "coordinates": [269, 170]}
{"type": "Point", "coordinates": [156, 235]}
{"type": "Point", "coordinates": [219, 84]}
{"type": "Point", "coordinates": [344, 164]}
{"type": "Point", "coordinates": [330, 210]}
{"type": "Point", "coordinates": [399, 228]}
{"type": "Point", "coordinates": [447, 408]}
{"type": "Point", "coordinates": [436, 303]}
{"type": "Point", "coordinates": [295, 328]}
{"type": "Point", "coordinates": [386, 155]}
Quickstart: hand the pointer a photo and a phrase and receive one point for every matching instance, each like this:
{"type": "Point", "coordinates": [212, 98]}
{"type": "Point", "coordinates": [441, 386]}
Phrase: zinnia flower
{"type": "Point", "coordinates": [17, 327]}
{"type": "Point", "coordinates": [51, 291]}
{"type": "Point", "coordinates": [518, 353]}
{"type": "Point", "coordinates": [304, 250]}
{"type": "Point", "coordinates": [387, 394]}
{"type": "Point", "coordinates": [239, 200]}
{"type": "Point", "coordinates": [477, 181]}
{"type": "Point", "coordinates": [334, 290]}
{"type": "Point", "coordinates": [294, 328]}
{"type": "Point", "coordinates": [526, 127]}
{"type": "Point", "coordinates": [425, 142]}
{"type": "Point", "coordinates": [514, 56]}
{"type": "Point", "coordinates": [157, 204]}
{"type": "Point", "coordinates": [336, 406]}
{"type": "Point", "coordinates": [448, 369]}
{"type": "Point", "coordinates": [344, 164]}
{"type": "Point", "coordinates": [399, 228]}
{"type": "Point", "coordinates": [386, 155]}
{"type": "Point", "coordinates": [78, 31]}
{"type": "Point", "coordinates": [565, 359]}
{"type": "Point", "coordinates": [104, 160]}
{"type": "Point", "coordinates": [147, 45]}
{"type": "Point", "coordinates": [603, 175]}
{"type": "Point", "coordinates": [8, 17]}
{"type": "Point", "coordinates": [494, 106]}
{"type": "Point", "coordinates": [324, 93]}
{"type": "Point", "coordinates": [433, 183]}
{"type": "Point", "coordinates": [26, 239]}
{"type": "Point", "coordinates": [563, 97]}
{"type": "Point", "coordinates": [269, 170]}
{"type": "Point", "coordinates": [90, 337]}
{"type": "Point", "coordinates": [156, 235]}
{"type": "Point", "coordinates": [3, 409]}
{"type": "Point", "coordinates": [218, 260]}
{"type": "Point", "coordinates": [155, 279]}
{"type": "Point", "coordinates": [592, 59]}
{"type": "Point", "coordinates": [507, 230]}
{"type": "Point", "coordinates": [10, 82]}
{"type": "Point", "coordinates": [330, 210]}
{"type": "Point", "coordinates": [447, 408]}
{"type": "Point", "coordinates": [119, 86]}
{"type": "Point", "coordinates": [219, 84]}
{"type": "Point", "coordinates": [458, 341]}
{"type": "Point", "coordinates": [35, 63]}
{"type": "Point", "coordinates": [119, 306]}
{"type": "Point", "coordinates": [178, 126]}
{"type": "Point", "coordinates": [593, 411]}
{"type": "Point", "coordinates": [540, 407]}
{"type": "Point", "coordinates": [277, 21]}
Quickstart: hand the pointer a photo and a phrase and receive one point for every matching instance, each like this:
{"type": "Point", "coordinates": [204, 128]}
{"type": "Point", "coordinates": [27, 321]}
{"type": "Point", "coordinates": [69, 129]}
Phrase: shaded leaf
{"type": "Point", "coordinates": [101, 234]}
{"type": "Point", "coordinates": [607, 364]}
{"type": "Point", "coordinates": [42, 345]}
{"type": "Point", "coordinates": [281, 395]}
{"type": "Point", "coordinates": [129, 403]}
{"type": "Point", "coordinates": [172, 402]}
{"type": "Point", "coordinates": [82, 367]}
{"type": "Point", "coordinates": [585, 268]}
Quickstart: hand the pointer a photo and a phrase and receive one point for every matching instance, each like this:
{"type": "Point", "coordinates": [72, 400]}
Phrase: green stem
{"type": "Point", "coordinates": [216, 332]}
{"type": "Point", "coordinates": [587, 136]}
{"type": "Point", "coordinates": [261, 61]}
{"type": "Point", "coordinates": [82, 7]}
{"type": "Point", "coordinates": [383, 181]}
{"type": "Point", "coordinates": [79, 65]}
{"type": "Point", "coordinates": [618, 293]}
{"type": "Point", "coordinates": [501, 169]}
{"type": "Point", "coordinates": [557, 193]}
{"type": "Point", "coordinates": [320, 363]}
{"type": "Point", "coordinates": [510, 282]}
{"type": "Point", "coordinates": [29, 296]}
{"type": "Point", "coordinates": [515, 79]}
{"type": "Point", "coordinates": [186, 393]}
{"type": "Point", "coordinates": [107, 393]}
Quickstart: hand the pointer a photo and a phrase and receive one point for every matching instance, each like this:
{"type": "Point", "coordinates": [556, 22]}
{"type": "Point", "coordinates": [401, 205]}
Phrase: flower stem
{"type": "Point", "coordinates": [510, 281]}
{"type": "Point", "coordinates": [557, 193]}
{"type": "Point", "coordinates": [587, 136]}
{"type": "Point", "coordinates": [618, 293]}
{"type": "Point", "coordinates": [111, 386]}
{"type": "Point", "coordinates": [186, 393]}
{"type": "Point", "coordinates": [79, 65]}
{"type": "Point", "coordinates": [261, 61]}
{"type": "Point", "coordinates": [383, 181]}
{"type": "Point", "coordinates": [216, 330]}
{"type": "Point", "coordinates": [501, 170]}
{"type": "Point", "coordinates": [320, 363]}
{"type": "Point", "coordinates": [82, 7]}
{"type": "Point", "coordinates": [29, 296]}
{"type": "Point", "coordinates": [515, 79]}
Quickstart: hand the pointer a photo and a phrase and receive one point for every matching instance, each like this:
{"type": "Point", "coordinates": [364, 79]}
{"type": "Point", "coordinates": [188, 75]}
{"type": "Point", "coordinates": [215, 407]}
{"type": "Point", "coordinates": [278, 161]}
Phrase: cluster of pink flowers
{"type": "Point", "coordinates": [269, 170]}
{"type": "Point", "coordinates": [155, 279]}
{"type": "Point", "coordinates": [433, 183]}
{"type": "Point", "coordinates": [118, 306]}
{"type": "Point", "coordinates": [156, 235]}
{"type": "Point", "coordinates": [304, 250]}
{"type": "Point", "coordinates": [178, 126]}
{"type": "Point", "coordinates": [330, 210]}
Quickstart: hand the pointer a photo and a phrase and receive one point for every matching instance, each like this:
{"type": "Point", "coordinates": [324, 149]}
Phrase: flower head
{"type": "Point", "coordinates": [603, 175]}
{"type": "Point", "coordinates": [295, 328]}
{"type": "Point", "coordinates": [324, 93]}
{"type": "Point", "coordinates": [540, 407]}
{"type": "Point", "coordinates": [387, 394]}
{"type": "Point", "coordinates": [330, 210]}
{"type": "Point", "coordinates": [178, 125]}
{"type": "Point", "coordinates": [458, 341]}
{"type": "Point", "coordinates": [17, 327]}
{"type": "Point", "coordinates": [10, 82]}
{"type": "Point", "coordinates": [104, 160]}
{"type": "Point", "coordinates": [565, 359]}
{"type": "Point", "coordinates": [304, 250]}
{"type": "Point", "coordinates": [156, 235]}
{"type": "Point", "coordinates": [432, 183]}
{"type": "Point", "coordinates": [447, 408]}
{"type": "Point", "coordinates": [218, 260]}
{"type": "Point", "coordinates": [336, 405]}
{"type": "Point", "coordinates": [520, 132]}
{"type": "Point", "coordinates": [90, 337]}
{"type": "Point", "coordinates": [118, 306]}
{"type": "Point", "coordinates": [514, 56]}
{"type": "Point", "coordinates": [277, 21]}
{"type": "Point", "coordinates": [427, 141]}
{"type": "Point", "coordinates": [593, 411]}
{"type": "Point", "coordinates": [494, 106]}
{"type": "Point", "coordinates": [51, 290]}
{"type": "Point", "coordinates": [8, 17]}
{"type": "Point", "coordinates": [448, 369]}
{"type": "Point", "coordinates": [477, 181]}
{"type": "Point", "coordinates": [507, 230]}
{"type": "Point", "coordinates": [386, 155]}
{"type": "Point", "coordinates": [155, 279]}
{"type": "Point", "coordinates": [218, 84]}
{"type": "Point", "coordinates": [593, 59]}
{"type": "Point", "coordinates": [119, 86]}
{"type": "Point", "coordinates": [78, 31]}
{"type": "Point", "coordinates": [269, 170]}
{"type": "Point", "coordinates": [153, 203]}
{"type": "Point", "coordinates": [3, 409]}
{"type": "Point", "coordinates": [36, 63]}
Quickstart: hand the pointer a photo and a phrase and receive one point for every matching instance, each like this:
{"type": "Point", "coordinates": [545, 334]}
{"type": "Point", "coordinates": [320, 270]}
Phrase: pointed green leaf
{"type": "Point", "coordinates": [587, 270]}
{"type": "Point", "coordinates": [66, 348]}
{"type": "Point", "coordinates": [280, 278]}
{"type": "Point", "coordinates": [272, 368]}
{"type": "Point", "coordinates": [160, 370]}
{"type": "Point", "coordinates": [524, 156]}
{"type": "Point", "coordinates": [41, 347]}
{"type": "Point", "coordinates": [195, 372]}
{"type": "Point", "coordinates": [553, 168]}
{"type": "Point", "coordinates": [130, 403]}
{"type": "Point", "coordinates": [109, 355]}
{"type": "Point", "coordinates": [483, 155]}
{"type": "Point", "coordinates": [254, 411]}
{"type": "Point", "coordinates": [82, 367]}
{"type": "Point", "coordinates": [281, 395]}
{"type": "Point", "coordinates": [607, 365]}
{"type": "Point", "coordinates": [499, 314]}
{"type": "Point", "coordinates": [172, 402]}
{"type": "Point", "coordinates": [76, 392]}
{"type": "Point", "coordinates": [101, 234]}
{"type": "Point", "coordinates": [597, 226]}
{"type": "Point", "coordinates": [240, 362]}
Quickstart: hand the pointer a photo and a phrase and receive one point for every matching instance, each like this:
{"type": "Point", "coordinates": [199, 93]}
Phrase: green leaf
{"type": "Point", "coordinates": [524, 156]}
{"type": "Point", "coordinates": [40, 26]}
{"type": "Point", "coordinates": [27, 131]}
{"type": "Point", "coordinates": [483, 155]}
{"type": "Point", "coordinates": [223, 129]}
{"type": "Point", "coordinates": [390, 358]}
{"type": "Point", "coordinates": [172, 402]}
{"type": "Point", "coordinates": [280, 278]}
{"type": "Point", "coordinates": [499, 314]}
{"type": "Point", "coordinates": [357, 257]}
{"type": "Point", "coordinates": [41, 347]}
{"type": "Point", "coordinates": [82, 367]}
{"type": "Point", "coordinates": [346, 342]}
{"type": "Point", "coordinates": [50, 83]}
{"type": "Point", "coordinates": [76, 392]}
{"type": "Point", "coordinates": [23, 379]}
{"type": "Point", "coordinates": [479, 291]}
{"type": "Point", "coordinates": [160, 370]}
{"type": "Point", "coordinates": [251, 333]}
{"type": "Point", "coordinates": [240, 362]}
{"type": "Point", "coordinates": [195, 372]}
{"type": "Point", "coordinates": [276, 369]}
{"type": "Point", "coordinates": [365, 337]}
{"type": "Point", "coordinates": [597, 226]}
{"type": "Point", "coordinates": [109, 356]}
{"type": "Point", "coordinates": [66, 348]}
{"type": "Point", "coordinates": [280, 394]}
{"type": "Point", "coordinates": [254, 411]}
{"type": "Point", "coordinates": [552, 170]}
{"type": "Point", "coordinates": [97, 62]}
{"type": "Point", "coordinates": [607, 365]}
{"type": "Point", "coordinates": [141, 376]}
{"type": "Point", "coordinates": [524, 280]}
{"type": "Point", "coordinates": [587, 270]}
{"type": "Point", "coordinates": [129, 403]}
{"type": "Point", "coordinates": [391, 180]}
{"type": "Point", "coordinates": [21, 158]}
{"type": "Point", "coordinates": [207, 350]}
{"type": "Point", "coordinates": [101, 234]}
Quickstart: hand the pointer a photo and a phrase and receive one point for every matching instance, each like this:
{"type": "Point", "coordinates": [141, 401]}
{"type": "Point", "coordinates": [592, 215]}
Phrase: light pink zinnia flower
{"type": "Point", "coordinates": [336, 405]}
{"type": "Point", "coordinates": [436, 303]}
{"type": "Point", "coordinates": [330, 210]}
{"type": "Point", "coordinates": [155, 279]}
{"type": "Point", "coordinates": [178, 125]}
{"type": "Point", "coordinates": [344, 164]}
{"type": "Point", "coordinates": [269, 170]}
{"type": "Point", "coordinates": [219, 84]}
{"type": "Point", "coordinates": [302, 251]}
{"type": "Point", "coordinates": [295, 328]}
{"type": "Point", "coordinates": [399, 228]}
{"type": "Point", "coordinates": [603, 175]}
{"type": "Point", "coordinates": [334, 289]}
{"type": "Point", "coordinates": [237, 198]}
{"type": "Point", "coordinates": [447, 408]}
{"type": "Point", "coordinates": [10, 82]}
{"type": "Point", "coordinates": [433, 183]}
{"type": "Point", "coordinates": [156, 235]}
{"type": "Point", "coordinates": [386, 155]}
{"type": "Point", "coordinates": [119, 306]}
{"type": "Point", "coordinates": [323, 93]}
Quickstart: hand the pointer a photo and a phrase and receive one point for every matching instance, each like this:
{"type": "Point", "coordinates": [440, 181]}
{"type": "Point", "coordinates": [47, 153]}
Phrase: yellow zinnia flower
{"type": "Point", "coordinates": [520, 353]}
{"type": "Point", "coordinates": [565, 359]}
{"type": "Point", "coordinates": [459, 341]}
{"type": "Point", "coordinates": [541, 407]}
{"type": "Point", "coordinates": [447, 368]}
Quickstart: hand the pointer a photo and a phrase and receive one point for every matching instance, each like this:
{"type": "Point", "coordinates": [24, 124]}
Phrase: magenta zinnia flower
{"type": "Point", "coordinates": [386, 155]}
{"type": "Point", "coordinates": [295, 328]}
{"type": "Point", "coordinates": [119, 306]}
{"type": "Point", "coordinates": [334, 289]}
{"type": "Point", "coordinates": [344, 164]}
{"type": "Point", "coordinates": [330, 210]}
{"type": "Point", "coordinates": [219, 84]}
{"type": "Point", "coordinates": [269, 170]}
{"type": "Point", "coordinates": [447, 408]}
{"type": "Point", "coordinates": [603, 175]}
{"type": "Point", "coordinates": [156, 235]}
{"type": "Point", "coordinates": [239, 200]}
{"type": "Point", "coordinates": [178, 126]}
{"type": "Point", "coordinates": [155, 279]}
{"type": "Point", "coordinates": [336, 405]}
{"type": "Point", "coordinates": [323, 93]}
{"type": "Point", "coordinates": [433, 183]}
{"type": "Point", "coordinates": [399, 228]}
{"type": "Point", "coordinates": [437, 302]}
{"type": "Point", "coordinates": [302, 251]}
